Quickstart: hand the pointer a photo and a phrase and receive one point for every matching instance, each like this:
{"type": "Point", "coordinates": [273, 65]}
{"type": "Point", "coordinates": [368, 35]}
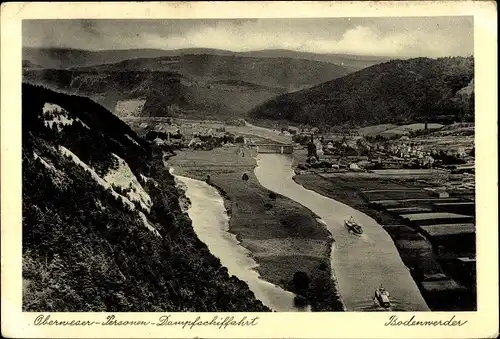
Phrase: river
{"type": "Point", "coordinates": [360, 263]}
{"type": "Point", "coordinates": [211, 224]}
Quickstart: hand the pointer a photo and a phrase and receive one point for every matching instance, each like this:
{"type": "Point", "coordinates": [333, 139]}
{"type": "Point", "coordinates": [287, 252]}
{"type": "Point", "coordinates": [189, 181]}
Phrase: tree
{"type": "Point", "coordinates": [301, 280]}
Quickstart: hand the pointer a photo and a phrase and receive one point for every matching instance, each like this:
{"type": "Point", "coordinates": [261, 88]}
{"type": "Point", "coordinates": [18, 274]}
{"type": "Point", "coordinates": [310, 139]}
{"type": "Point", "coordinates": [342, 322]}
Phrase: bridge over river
{"type": "Point", "coordinates": [272, 148]}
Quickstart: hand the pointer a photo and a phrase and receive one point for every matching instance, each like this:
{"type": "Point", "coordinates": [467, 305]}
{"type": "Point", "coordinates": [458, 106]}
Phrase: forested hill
{"type": "Point", "coordinates": [198, 86]}
{"type": "Point", "coordinates": [102, 225]}
{"type": "Point", "coordinates": [398, 91]}
{"type": "Point", "coordinates": [271, 72]}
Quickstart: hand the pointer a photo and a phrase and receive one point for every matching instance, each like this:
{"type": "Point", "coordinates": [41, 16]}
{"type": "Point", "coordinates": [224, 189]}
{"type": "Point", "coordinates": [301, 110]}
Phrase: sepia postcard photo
{"type": "Point", "coordinates": [273, 169]}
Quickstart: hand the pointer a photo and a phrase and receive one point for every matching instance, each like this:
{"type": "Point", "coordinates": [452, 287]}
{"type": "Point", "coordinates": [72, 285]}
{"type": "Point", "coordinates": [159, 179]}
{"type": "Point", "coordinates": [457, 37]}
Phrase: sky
{"type": "Point", "coordinates": [405, 37]}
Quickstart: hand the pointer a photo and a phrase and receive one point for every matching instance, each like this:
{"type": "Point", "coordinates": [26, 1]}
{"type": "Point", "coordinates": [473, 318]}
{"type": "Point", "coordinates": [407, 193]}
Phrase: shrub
{"type": "Point", "coordinates": [300, 301]}
{"type": "Point", "coordinates": [323, 267]}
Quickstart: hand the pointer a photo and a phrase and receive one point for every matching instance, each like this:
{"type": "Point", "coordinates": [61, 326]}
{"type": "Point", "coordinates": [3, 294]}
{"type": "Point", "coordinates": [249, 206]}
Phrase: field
{"type": "Point", "coordinates": [405, 129]}
{"type": "Point", "coordinates": [375, 129]}
{"type": "Point", "coordinates": [188, 127]}
{"type": "Point", "coordinates": [131, 107]}
{"type": "Point", "coordinates": [283, 236]}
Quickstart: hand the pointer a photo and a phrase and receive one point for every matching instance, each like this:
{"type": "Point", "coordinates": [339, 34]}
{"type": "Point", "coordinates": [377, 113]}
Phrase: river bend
{"type": "Point", "coordinates": [360, 263]}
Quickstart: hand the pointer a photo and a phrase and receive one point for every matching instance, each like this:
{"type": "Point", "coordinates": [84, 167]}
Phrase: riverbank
{"type": "Point", "coordinates": [211, 222]}
{"type": "Point", "coordinates": [283, 236]}
{"type": "Point", "coordinates": [414, 249]}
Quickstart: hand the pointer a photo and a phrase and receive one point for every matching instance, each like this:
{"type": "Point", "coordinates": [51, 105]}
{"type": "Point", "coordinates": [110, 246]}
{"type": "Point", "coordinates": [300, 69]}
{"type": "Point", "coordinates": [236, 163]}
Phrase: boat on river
{"type": "Point", "coordinates": [353, 226]}
{"type": "Point", "coordinates": [382, 297]}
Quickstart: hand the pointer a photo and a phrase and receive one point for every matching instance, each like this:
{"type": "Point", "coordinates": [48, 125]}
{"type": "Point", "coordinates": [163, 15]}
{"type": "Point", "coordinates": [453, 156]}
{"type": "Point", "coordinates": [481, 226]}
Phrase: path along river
{"type": "Point", "coordinates": [211, 224]}
{"type": "Point", "coordinates": [360, 263]}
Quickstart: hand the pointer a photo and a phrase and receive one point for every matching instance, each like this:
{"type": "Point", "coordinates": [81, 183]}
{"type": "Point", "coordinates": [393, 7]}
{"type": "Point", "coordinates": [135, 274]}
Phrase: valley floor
{"type": "Point", "coordinates": [283, 236]}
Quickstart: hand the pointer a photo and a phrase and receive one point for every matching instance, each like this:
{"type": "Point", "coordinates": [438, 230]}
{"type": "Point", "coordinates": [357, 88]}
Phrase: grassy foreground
{"type": "Point", "coordinates": [283, 236]}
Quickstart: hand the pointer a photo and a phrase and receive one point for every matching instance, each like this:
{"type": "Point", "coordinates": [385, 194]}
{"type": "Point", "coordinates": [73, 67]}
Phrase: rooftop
{"type": "Point", "coordinates": [440, 230]}
{"type": "Point", "coordinates": [441, 285]}
{"type": "Point", "coordinates": [434, 215]}
{"type": "Point", "coordinates": [466, 203]}
{"type": "Point", "coordinates": [391, 202]}
{"type": "Point", "coordinates": [414, 209]}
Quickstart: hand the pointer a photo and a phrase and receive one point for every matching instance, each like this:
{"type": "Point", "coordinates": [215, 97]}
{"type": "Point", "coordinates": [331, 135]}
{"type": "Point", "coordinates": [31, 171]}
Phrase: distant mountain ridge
{"type": "Point", "coordinates": [67, 58]}
{"type": "Point", "coordinates": [397, 91]}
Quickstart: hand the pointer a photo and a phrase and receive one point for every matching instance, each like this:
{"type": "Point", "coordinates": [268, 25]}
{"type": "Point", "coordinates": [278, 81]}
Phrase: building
{"type": "Point", "coordinates": [441, 194]}
{"type": "Point", "coordinates": [195, 143]}
{"type": "Point", "coordinates": [159, 142]}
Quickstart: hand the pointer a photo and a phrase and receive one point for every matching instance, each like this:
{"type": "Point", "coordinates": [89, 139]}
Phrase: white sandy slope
{"type": "Point", "coordinates": [125, 179]}
{"type": "Point", "coordinates": [119, 177]}
{"type": "Point", "coordinates": [61, 116]}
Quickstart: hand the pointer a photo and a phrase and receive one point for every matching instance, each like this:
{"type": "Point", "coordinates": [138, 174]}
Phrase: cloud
{"type": "Point", "coordinates": [361, 40]}
{"type": "Point", "coordinates": [368, 41]}
{"type": "Point", "coordinates": [432, 37]}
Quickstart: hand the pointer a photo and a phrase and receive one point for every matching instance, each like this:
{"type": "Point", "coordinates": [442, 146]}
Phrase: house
{"type": "Point", "coordinates": [441, 194]}
{"type": "Point", "coordinates": [354, 166]}
{"type": "Point", "coordinates": [159, 142]}
{"type": "Point", "coordinates": [318, 144]}
{"type": "Point", "coordinates": [461, 152]}
{"type": "Point", "coordinates": [195, 143]}
{"type": "Point", "coordinates": [364, 163]}
{"type": "Point", "coordinates": [427, 160]}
